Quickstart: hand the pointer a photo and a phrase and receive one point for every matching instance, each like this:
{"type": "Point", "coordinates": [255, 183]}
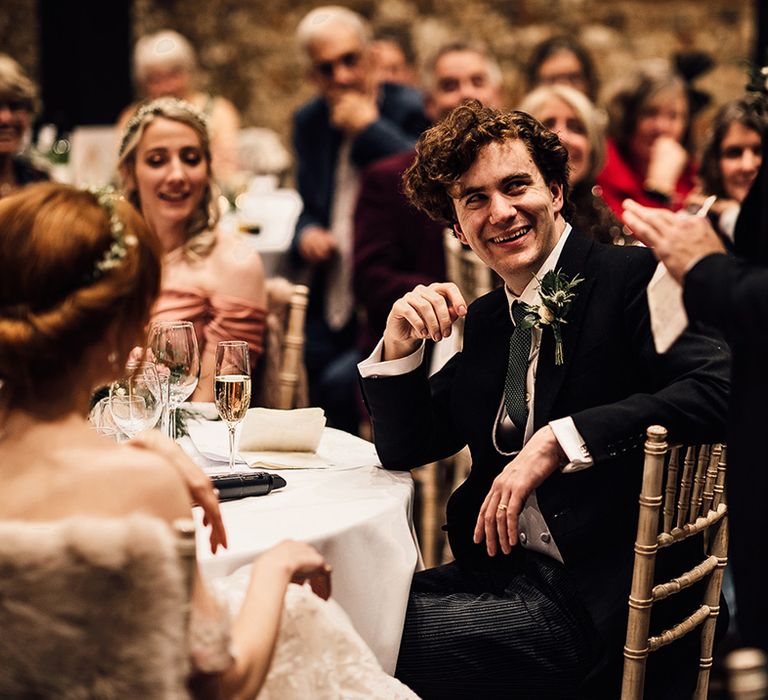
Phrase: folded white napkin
{"type": "Point", "coordinates": [275, 430]}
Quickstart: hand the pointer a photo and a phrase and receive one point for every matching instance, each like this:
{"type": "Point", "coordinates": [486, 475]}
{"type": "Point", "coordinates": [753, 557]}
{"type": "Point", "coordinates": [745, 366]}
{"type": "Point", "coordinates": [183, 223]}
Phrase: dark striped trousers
{"type": "Point", "coordinates": [491, 635]}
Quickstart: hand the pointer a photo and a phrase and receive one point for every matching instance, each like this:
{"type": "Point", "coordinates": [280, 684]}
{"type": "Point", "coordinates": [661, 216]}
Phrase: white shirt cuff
{"type": "Point", "coordinates": [374, 366]}
{"type": "Point", "coordinates": [573, 445]}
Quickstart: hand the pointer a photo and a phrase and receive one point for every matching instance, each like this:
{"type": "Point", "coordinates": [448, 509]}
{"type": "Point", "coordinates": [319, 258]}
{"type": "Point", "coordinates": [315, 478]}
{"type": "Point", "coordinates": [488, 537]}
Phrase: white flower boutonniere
{"type": "Point", "coordinates": [556, 294]}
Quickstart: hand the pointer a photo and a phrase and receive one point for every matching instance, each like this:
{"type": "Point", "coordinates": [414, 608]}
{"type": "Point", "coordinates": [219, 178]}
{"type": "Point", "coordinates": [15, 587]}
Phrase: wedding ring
{"type": "Point", "coordinates": [501, 506]}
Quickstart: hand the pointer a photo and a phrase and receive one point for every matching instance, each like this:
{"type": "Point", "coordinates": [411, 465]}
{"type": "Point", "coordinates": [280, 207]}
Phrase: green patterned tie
{"type": "Point", "coordinates": [517, 369]}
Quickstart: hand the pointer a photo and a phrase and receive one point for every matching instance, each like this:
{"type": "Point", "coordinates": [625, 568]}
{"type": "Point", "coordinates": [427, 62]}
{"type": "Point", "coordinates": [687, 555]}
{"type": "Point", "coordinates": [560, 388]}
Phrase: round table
{"type": "Point", "coordinates": [355, 513]}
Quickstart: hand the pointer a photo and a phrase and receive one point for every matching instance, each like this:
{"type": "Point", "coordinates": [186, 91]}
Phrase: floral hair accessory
{"type": "Point", "coordinates": [107, 198]}
{"type": "Point", "coordinates": [159, 108]}
{"type": "Point", "coordinates": [556, 294]}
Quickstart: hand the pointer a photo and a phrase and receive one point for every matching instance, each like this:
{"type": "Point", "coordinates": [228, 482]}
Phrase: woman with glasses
{"type": "Point", "coordinates": [561, 60]}
{"type": "Point", "coordinates": [18, 104]}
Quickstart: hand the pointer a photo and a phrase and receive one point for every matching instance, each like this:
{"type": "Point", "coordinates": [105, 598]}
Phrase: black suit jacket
{"type": "Point", "coordinates": [612, 383]}
{"type": "Point", "coordinates": [316, 144]}
{"type": "Point", "coordinates": [732, 295]}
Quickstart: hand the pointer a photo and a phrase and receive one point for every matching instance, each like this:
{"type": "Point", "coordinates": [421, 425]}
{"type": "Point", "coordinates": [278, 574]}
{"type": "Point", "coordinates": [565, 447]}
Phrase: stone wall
{"type": "Point", "coordinates": [247, 52]}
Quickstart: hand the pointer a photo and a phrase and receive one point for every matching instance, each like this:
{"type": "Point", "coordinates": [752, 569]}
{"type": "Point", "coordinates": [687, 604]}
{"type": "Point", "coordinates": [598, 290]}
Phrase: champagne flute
{"type": "Point", "coordinates": [135, 400]}
{"type": "Point", "coordinates": [174, 346]}
{"type": "Point", "coordinates": [232, 387]}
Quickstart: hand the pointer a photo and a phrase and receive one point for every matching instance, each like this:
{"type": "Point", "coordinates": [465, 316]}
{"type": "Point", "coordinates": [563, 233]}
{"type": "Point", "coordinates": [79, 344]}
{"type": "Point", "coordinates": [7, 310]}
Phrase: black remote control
{"type": "Point", "coordinates": [242, 485]}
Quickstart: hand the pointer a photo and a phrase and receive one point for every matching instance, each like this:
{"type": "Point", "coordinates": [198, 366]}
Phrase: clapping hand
{"type": "Point", "coordinates": [425, 312]}
{"type": "Point", "coordinates": [678, 240]}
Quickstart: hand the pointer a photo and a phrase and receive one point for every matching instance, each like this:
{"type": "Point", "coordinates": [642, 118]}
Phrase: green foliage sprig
{"type": "Point", "coordinates": [556, 294]}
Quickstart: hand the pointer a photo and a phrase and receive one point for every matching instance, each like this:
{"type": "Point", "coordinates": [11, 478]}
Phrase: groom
{"type": "Point", "coordinates": [543, 527]}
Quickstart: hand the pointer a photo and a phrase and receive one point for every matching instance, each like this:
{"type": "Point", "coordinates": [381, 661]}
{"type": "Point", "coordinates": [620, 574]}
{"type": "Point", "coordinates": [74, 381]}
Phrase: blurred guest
{"type": "Point", "coordinates": [66, 324]}
{"type": "Point", "coordinates": [580, 126]}
{"type": "Point", "coordinates": [648, 156]}
{"type": "Point", "coordinates": [393, 58]}
{"type": "Point", "coordinates": [351, 123]}
{"type": "Point", "coordinates": [211, 278]}
{"type": "Point", "coordinates": [730, 161]}
{"type": "Point", "coordinates": [730, 294]}
{"type": "Point", "coordinates": [18, 104]}
{"type": "Point", "coordinates": [164, 65]}
{"type": "Point", "coordinates": [396, 245]}
{"type": "Point", "coordinates": [561, 60]}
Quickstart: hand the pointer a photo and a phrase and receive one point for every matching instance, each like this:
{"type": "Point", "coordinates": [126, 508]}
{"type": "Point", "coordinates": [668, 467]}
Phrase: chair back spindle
{"type": "Point", "coordinates": [701, 508]}
{"type": "Point", "coordinates": [671, 488]}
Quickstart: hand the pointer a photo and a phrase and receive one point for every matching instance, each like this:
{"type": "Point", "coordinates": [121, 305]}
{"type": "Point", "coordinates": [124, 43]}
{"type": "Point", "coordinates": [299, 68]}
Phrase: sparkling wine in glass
{"type": "Point", "coordinates": [135, 399]}
{"type": "Point", "coordinates": [232, 387]}
{"type": "Point", "coordinates": [173, 345]}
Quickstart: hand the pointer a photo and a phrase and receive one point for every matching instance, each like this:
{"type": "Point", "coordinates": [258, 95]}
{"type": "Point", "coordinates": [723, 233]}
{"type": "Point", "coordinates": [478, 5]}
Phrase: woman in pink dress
{"type": "Point", "coordinates": [211, 278]}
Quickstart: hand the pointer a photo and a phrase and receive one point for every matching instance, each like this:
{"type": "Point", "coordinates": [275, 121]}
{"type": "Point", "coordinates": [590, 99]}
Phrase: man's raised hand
{"type": "Point", "coordinates": [425, 312]}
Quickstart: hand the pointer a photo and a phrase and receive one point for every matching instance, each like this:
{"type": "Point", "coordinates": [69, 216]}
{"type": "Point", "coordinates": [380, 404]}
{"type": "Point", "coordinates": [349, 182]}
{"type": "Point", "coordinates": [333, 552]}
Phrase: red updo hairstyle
{"type": "Point", "coordinates": [54, 305]}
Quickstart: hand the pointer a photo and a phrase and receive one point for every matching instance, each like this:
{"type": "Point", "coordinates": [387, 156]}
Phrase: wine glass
{"type": "Point", "coordinates": [174, 346]}
{"type": "Point", "coordinates": [136, 400]}
{"type": "Point", "coordinates": [232, 387]}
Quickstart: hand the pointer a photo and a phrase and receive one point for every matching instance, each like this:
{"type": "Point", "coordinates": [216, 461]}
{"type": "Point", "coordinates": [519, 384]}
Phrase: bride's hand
{"type": "Point", "coordinates": [198, 483]}
{"type": "Point", "coordinates": [300, 562]}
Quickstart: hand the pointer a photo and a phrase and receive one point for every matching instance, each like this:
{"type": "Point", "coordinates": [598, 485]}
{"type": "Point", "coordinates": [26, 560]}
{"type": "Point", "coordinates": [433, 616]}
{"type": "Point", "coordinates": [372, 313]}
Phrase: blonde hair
{"type": "Point", "coordinates": [201, 228]}
{"type": "Point", "coordinates": [53, 307]}
{"type": "Point", "coordinates": [594, 119]}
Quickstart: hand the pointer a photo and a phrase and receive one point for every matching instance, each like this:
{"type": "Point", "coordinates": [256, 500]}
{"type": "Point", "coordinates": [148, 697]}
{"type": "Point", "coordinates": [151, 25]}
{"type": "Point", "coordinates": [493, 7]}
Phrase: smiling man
{"type": "Point", "coordinates": [543, 527]}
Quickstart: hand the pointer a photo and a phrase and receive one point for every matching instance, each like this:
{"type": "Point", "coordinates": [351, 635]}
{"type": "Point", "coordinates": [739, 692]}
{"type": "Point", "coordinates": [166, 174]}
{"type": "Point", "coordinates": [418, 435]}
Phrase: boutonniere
{"type": "Point", "coordinates": [556, 294]}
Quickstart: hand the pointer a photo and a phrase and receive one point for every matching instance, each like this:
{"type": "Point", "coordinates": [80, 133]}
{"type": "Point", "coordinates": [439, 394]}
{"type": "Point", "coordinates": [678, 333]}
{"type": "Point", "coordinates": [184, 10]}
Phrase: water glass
{"type": "Point", "coordinates": [173, 345]}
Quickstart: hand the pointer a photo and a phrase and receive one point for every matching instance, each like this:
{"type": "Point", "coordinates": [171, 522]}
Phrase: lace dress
{"type": "Point", "coordinates": [318, 654]}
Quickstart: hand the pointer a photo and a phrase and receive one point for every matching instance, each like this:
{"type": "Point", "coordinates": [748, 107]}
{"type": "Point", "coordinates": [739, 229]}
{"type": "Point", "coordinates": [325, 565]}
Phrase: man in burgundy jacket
{"type": "Point", "coordinates": [397, 247]}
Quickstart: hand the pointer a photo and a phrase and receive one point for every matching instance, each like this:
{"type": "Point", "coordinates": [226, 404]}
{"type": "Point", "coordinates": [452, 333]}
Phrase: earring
{"type": "Point", "coordinates": [112, 359]}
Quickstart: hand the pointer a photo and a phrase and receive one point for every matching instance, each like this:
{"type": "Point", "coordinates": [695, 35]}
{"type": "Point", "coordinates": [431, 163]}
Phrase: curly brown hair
{"type": "Point", "coordinates": [447, 150]}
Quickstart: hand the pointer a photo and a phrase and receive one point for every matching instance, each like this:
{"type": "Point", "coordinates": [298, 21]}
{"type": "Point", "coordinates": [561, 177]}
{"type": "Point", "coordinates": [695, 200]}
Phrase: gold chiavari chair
{"type": "Point", "coordinates": [691, 502]}
{"type": "Point", "coordinates": [280, 378]}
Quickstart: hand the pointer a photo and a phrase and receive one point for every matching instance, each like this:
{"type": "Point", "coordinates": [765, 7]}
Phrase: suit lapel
{"type": "Point", "coordinates": [549, 376]}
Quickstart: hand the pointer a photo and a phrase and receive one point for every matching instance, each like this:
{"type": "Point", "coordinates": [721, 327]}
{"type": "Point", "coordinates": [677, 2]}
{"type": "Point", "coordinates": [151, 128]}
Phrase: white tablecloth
{"type": "Point", "coordinates": [359, 517]}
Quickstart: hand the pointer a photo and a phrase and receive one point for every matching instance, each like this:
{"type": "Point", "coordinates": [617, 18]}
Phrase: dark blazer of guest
{"type": "Point", "coordinates": [731, 294]}
{"type": "Point", "coordinates": [396, 246]}
{"type": "Point", "coordinates": [316, 144]}
{"type": "Point", "coordinates": [612, 383]}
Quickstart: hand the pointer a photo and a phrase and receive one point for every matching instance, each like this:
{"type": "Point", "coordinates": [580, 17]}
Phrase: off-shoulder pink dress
{"type": "Point", "coordinates": [216, 317]}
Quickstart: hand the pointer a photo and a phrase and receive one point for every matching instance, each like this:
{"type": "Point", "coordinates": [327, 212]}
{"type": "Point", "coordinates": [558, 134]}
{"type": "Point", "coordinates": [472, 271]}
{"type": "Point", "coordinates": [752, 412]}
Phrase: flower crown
{"type": "Point", "coordinates": [158, 108]}
{"type": "Point", "coordinates": [107, 198]}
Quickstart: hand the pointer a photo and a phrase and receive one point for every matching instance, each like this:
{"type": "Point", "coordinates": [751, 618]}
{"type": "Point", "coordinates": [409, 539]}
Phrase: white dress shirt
{"type": "Point", "coordinates": [533, 531]}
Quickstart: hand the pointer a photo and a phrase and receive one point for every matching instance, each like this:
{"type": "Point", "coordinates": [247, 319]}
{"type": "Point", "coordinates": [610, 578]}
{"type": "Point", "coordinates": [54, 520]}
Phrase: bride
{"type": "Point", "coordinates": [79, 273]}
